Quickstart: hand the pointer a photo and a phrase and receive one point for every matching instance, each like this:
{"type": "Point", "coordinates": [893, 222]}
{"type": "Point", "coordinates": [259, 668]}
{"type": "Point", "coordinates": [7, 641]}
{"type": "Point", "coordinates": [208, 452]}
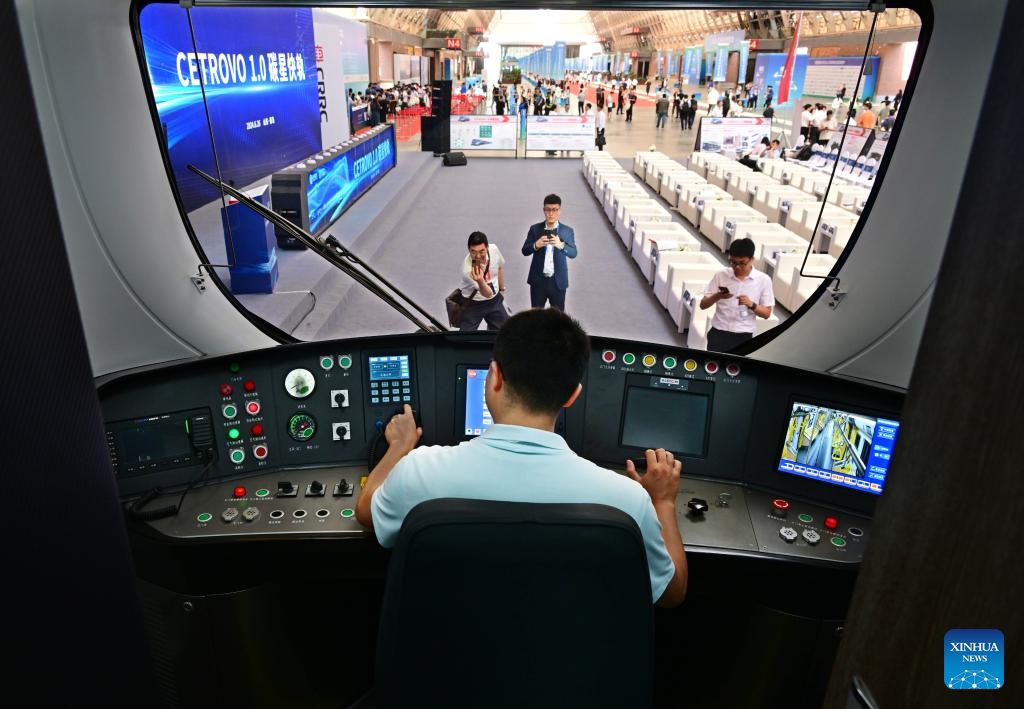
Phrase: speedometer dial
{"type": "Point", "coordinates": [301, 427]}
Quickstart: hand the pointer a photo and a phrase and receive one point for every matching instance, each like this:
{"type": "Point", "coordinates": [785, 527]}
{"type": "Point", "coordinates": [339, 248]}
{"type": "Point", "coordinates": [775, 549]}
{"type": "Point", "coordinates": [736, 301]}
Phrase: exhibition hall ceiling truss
{"type": "Point", "coordinates": [660, 29]}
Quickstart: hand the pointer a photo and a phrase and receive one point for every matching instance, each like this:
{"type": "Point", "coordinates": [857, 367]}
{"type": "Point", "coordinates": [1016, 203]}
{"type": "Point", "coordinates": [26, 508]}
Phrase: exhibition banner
{"type": "Point", "coordinates": [475, 132]}
{"type": "Point", "coordinates": [258, 69]}
{"type": "Point", "coordinates": [768, 71]}
{"type": "Point", "coordinates": [332, 96]}
{"type": "Point", "coordinates": [691, 65]}
{"type": "Point", "coordinates": [561, 132]}
{"type": "Point", "coordinates": [355, 57]}
{"type": "Point", "coordinates": [732, 136]}
{"type": "Point", "coordinates": [856, 142]}
{"type": "Point", "coordinates": [826, 74]}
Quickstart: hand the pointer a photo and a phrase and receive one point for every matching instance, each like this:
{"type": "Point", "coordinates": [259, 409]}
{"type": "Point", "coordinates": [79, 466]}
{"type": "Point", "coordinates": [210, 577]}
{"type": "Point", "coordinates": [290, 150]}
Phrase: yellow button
{"type": "Point", "coordinates": [650, 360]}
{"type": "Point", "coordinates": [690, 365]}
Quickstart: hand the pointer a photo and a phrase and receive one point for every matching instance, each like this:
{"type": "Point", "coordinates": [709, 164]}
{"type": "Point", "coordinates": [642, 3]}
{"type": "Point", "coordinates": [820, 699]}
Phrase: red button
{"type": "Point", "coordinates": [260, 452]}
{"type": "Point", "coordinates": [608, 356]}
{"type": "Point", "coordinates": [226, 389]}
{"type": "Point", "coordinates": [779, 507]}
{"type": "Point", "coordinates": [711, 367]}
{"type": "Point", "coordinates": [732, 369]}
{"type": "Point", "coordinates": [250, 385]}
{"type": "Point", "coordinates": [253, 407]}
{"type": "Point", "coordinates": [257, 429]}
{"type": "Point", "coordinates": [831, 523]}
{"type": "Point", "coordinates": [239, 491]}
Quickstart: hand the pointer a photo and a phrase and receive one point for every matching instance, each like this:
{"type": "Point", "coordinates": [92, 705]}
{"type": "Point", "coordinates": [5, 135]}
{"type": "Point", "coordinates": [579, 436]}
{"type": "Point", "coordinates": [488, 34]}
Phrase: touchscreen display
{"type": "Point", "coordinates": [478, 418]}
{"type": "Point", "coordinates": [838, 447]}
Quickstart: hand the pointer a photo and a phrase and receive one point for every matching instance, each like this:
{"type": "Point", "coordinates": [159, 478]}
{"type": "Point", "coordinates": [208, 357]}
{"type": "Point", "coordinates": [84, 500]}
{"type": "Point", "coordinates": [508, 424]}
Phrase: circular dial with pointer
{"type": "Point", "coordinates": [301, 427]}
{"type": "Point", "coordinates": [299, 383]}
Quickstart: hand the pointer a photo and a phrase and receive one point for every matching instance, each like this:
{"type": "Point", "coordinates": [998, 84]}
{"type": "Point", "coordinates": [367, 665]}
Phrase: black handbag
{"type": "Point", "coordinates": [456, 304]}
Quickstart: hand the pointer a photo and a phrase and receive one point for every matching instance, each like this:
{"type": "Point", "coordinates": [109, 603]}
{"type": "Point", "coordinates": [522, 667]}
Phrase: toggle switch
{"type": "Point", "coordinates": [286, 489]}
{"type": "Point", "coordinates": [344, 488]}
{"type": "Point", "coordinates": [341, 431]}
{"type": "Point", "coordinates": [339, 398]}
{"type": "Point", "coordinates": [315, 489]}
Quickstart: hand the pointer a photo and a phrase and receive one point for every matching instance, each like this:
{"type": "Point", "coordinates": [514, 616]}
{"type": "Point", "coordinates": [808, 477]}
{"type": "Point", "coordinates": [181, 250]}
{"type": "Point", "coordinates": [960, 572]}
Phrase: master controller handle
{"type": "Point", "coordinates": [697, 506]}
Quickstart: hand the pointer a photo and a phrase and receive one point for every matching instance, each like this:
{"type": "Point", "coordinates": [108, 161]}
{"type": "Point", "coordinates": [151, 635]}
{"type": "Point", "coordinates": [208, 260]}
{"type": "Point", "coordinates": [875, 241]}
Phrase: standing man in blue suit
{"type": "Point", "coordinates": [550, 243]}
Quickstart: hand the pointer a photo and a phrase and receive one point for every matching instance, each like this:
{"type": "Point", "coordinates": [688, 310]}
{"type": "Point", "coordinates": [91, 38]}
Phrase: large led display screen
{"type": "Point", "coordinates": [335, 185]}
{"type": "Point", "coordinates": [560, 133]}
{"type": "Point", "coordinates": [258, 68]}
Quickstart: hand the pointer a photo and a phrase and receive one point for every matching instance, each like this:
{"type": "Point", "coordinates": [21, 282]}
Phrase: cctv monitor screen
{"type": "Point", "coordinates": [838, 447]}
{"type": "Point", "coordinates": [663, 412]}
{"type": "Point", "coordinates": [477, 417]}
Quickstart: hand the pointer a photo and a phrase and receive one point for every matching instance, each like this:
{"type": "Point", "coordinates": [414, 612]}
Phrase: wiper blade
{"type": "Point", "coordinates": [332, 250]}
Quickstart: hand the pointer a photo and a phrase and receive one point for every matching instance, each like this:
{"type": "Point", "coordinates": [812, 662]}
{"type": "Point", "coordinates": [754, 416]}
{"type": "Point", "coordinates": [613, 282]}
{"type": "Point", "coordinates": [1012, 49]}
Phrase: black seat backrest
{"type": "Point", "coordinates": [512, 604]}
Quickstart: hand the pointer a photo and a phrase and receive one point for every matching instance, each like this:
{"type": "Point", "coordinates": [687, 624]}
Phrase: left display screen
{"type": "Point", "coordinates": [478, 417]}
{"type": "Point", "coordinates": [390, 379]}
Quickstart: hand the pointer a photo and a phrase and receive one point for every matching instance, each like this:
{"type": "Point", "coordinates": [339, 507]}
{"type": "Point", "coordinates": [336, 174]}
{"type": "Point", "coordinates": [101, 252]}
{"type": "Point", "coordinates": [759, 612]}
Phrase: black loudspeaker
{"type": "Point", "coordinates": [441, 97]}
{"type": "Point", "coordinates": [454, 159]}
{"type": "Point", "coordinates": [435, 133]}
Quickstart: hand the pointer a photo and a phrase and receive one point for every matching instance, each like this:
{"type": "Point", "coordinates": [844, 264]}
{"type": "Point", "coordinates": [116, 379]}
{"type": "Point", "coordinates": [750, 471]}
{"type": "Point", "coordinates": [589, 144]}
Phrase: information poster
{"type": "Point", "coordinates": [483, 132]}
{"type": "Point", "coordinates": [563, 132]}
{"type": "Point", "coordinates": [826, 74]}
{"type": "Point", "coordinates": [857, 140]}
{"type": "Point", "coordinates": [732, 136]}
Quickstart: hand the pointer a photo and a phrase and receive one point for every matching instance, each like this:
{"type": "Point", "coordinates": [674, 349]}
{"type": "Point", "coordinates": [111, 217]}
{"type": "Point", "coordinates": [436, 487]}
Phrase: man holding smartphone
{"type": "Point", "coordinates": [549, 243]}
{"type": "Point", "coordinates": [740, 293]}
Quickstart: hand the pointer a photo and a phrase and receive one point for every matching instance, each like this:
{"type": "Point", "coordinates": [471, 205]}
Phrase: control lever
{"type": "Point", "coordinates": [697, 506]}
{"type": "Point", "coordinates": [379, 445]}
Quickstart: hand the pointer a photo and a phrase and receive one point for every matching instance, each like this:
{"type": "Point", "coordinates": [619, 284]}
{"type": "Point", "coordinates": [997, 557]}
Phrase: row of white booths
{"type": "Point", "coordinates": [777, 208]}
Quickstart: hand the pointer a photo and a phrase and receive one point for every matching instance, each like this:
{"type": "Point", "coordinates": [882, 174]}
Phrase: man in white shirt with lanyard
{"type": "Point", "coordinates": [483, 282]}
{"type": "Point", "coordinates": [741, 294]}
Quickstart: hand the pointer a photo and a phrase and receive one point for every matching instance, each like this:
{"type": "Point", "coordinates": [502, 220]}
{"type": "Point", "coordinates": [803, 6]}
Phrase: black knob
{"type": "Point", "coordinates": [697, 506]}
{"type": "Point", "coordinates": [316, 487]}
{"type": "Point", "coordinates": [285, 488]}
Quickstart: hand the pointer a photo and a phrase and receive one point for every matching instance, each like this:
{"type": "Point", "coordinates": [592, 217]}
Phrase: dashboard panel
{"type": "Point", "coordinates": [274, 443]}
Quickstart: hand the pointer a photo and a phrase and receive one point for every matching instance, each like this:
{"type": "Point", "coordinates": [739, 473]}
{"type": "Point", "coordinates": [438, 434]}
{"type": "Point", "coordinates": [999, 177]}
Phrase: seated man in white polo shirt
{"type": "Point", "coordinates": [539, 361]}
{"type": "Point", "coordinates": [741, 293]}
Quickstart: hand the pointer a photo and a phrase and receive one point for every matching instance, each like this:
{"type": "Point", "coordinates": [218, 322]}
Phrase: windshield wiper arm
{"type": "Point", "coordinates": [332, 250]}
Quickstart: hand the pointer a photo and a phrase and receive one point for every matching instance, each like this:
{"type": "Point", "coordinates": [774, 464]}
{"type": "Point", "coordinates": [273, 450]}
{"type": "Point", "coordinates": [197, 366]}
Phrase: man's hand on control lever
{"type": "Point", "coordinates": [402, 433]}
{"type": "Point", "coordinates": [662, 477]}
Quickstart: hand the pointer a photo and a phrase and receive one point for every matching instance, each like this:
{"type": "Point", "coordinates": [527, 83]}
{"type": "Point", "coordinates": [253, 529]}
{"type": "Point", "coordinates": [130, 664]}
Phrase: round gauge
{"type": "Point", "coordinates": [301, 427]}
{"type": "Point", "coordinates": [299, 383]}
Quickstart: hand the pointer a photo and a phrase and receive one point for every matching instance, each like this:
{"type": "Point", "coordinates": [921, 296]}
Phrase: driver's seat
{"type": "Point", "coordinates": [514, 604]}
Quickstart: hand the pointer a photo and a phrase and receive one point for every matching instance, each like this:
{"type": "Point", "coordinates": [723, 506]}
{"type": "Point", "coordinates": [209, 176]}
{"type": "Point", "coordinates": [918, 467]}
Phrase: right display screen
{"type": "Point", "coordinates": [839, 447]}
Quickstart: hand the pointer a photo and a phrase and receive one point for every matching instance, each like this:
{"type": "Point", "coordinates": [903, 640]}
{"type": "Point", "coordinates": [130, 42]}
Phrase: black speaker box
{"type": "Point", "coordinates": [454, 158]}
{"type": "Point", "coordinates": [435, 133]}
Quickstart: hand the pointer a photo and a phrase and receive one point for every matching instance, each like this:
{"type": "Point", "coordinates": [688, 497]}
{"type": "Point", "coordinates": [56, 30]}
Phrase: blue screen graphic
{"type": "Point", "coordinates": [838, 447]}
{"type": "Point", "coordinates": [478, 417]}
{"type": "Point", "coordinates": [389, 367]}
{"type": "Point", "coordinates": [258, 66]}
{"type": "Point", "coordinates": [335, 185]}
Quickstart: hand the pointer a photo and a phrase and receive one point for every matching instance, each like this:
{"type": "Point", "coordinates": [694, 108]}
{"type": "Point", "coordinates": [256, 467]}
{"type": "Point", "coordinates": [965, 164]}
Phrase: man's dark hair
{"type": "Point", "coordinates": [476, 238]}
{"type": "Point", "coordinates": [553, 199]}
{"type": "Point", "coordinates": [543, 356]}
{"type": "Point", "coordinates": [743, 248]}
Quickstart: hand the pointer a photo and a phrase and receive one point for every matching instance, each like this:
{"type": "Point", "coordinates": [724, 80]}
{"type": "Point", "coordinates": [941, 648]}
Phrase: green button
{"type": "Point", "coordinates": [204, 517]}
{"type": "Point", "coordinates": [839, 541]}
{"type": "Point", "coordinates": [237, 455]}
{"type": "Point", "coordinates": [628, 358]}
{"type": "Point", "coordinates": [347, 512]}
{"type": "Point", "coordinates": [229, 411]}
{"type": "Point", "coordinates": [345, 361]}
{"type": "Point", "coordinates": [670, 363]}
{"type": "Point", "coordinates": [235, 367]}
{"type": "Point", "coordinates": [233, 433]}
{"type": "Point", "coordinates": [806, 518]}
{"type": "Point", "coordinates": [326, 362]}
{"type": "Point", "coordinates": [262, 492]}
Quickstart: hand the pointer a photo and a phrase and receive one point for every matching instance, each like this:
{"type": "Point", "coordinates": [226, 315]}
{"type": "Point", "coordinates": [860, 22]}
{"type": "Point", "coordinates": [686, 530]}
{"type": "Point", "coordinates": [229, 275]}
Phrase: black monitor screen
{"type": "Point", "coordinates": [672, 414]}
{"type": "Point", "coordinates": [839, 447]}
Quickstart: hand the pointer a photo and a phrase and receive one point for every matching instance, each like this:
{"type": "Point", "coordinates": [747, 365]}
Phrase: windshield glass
{"type": "Point", "coordinates": [657, 175]}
